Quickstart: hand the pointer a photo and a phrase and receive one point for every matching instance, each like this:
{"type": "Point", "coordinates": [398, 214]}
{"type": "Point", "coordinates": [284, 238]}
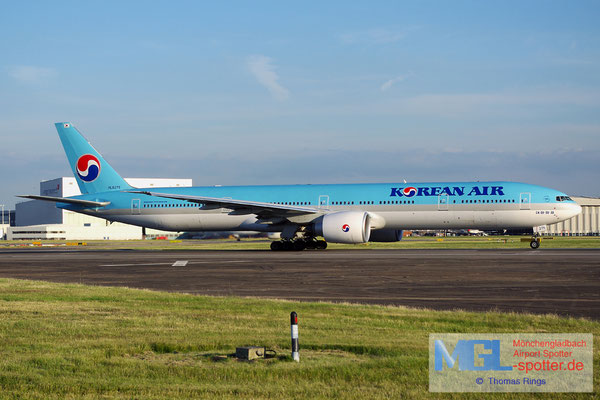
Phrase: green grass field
{"type": "Point", "coordinates": [487, 242]}
{"type": "Point", "coordinates": [73, 341]}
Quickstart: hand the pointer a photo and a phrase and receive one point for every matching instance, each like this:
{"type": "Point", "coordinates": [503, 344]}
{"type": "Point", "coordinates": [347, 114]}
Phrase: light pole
{"type": "Point", "coordinates": [2, 236]}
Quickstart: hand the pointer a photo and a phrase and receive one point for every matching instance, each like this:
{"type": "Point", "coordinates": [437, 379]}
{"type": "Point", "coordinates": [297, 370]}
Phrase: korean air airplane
{"type": "Point", "coordinates": [339, 213]}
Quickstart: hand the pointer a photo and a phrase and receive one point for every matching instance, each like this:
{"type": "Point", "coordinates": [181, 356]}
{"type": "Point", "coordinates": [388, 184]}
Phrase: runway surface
{"type": "Point", "coordinates": [565, 282]}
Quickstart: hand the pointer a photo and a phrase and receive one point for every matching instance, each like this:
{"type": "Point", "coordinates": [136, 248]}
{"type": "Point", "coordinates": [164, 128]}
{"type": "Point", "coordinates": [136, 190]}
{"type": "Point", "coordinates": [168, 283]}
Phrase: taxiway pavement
{"type": "Point", "coordinates": [564, 282]}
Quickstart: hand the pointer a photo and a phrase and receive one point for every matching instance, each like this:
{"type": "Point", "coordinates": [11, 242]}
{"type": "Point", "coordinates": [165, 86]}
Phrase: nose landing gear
{"type": "Point", "coordinates": [535, 241]}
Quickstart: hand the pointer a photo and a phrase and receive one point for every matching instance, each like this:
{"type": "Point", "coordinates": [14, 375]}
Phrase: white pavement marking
{"type": "Point", "coordinates": [184, 263]}
{"type": "Point", "coordinates": [180, 263]}
{"type": "Point", "coordinates": [133, 265]}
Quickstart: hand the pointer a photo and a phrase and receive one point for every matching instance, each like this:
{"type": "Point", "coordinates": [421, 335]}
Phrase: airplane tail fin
{"type": "Point", "coordinates": [91, 170]}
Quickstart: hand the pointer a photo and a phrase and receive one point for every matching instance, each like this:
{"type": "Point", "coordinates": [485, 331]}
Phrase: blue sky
{"type": "Point", "coordinates": [314, 92]}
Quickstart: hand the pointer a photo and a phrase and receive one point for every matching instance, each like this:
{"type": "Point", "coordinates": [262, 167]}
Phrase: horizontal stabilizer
{"type": "Point", "coordinates": [68, 200]}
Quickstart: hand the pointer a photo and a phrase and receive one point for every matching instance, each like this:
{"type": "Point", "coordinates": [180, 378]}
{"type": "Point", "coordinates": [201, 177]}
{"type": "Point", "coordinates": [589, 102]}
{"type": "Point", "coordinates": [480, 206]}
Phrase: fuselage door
{"type": "Point", "coordinates": [324, 201]}
{"type": "Point", "coordinates": [443, 202]}
{"type": "Point", "coordinates": [135, 206]}
{"type": "Point", "coordinates": [525, 201]}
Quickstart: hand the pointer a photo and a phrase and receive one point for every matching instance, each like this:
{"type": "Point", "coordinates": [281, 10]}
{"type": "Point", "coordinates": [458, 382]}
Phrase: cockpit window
{"type": "Point", "coordinates": [563, 198]}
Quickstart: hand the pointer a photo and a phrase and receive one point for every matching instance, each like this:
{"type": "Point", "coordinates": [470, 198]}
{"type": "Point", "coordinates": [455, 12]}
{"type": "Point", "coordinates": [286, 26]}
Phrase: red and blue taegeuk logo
{"type": "Point", "coordinates": [409, 191]}
{"type": "Point", "coordinates": [345, 227]}
{"type": "Point", "coordinates": [88, 167]}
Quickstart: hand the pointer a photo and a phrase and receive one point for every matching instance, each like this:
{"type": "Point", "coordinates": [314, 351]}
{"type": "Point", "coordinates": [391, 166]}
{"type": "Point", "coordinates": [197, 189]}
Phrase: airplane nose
{"type": "Point", "coordinates": [574, 209]}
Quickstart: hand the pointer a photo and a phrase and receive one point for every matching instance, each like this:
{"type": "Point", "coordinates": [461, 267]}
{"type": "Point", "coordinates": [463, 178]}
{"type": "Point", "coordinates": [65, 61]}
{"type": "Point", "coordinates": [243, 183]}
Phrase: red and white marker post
{"type": "Point", "coordinates": [294, 323]}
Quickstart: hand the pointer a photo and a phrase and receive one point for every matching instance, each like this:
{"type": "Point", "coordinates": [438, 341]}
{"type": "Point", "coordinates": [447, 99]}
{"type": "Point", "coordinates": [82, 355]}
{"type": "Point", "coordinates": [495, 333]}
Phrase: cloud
{"type": "Point", "coordinates": [573, 174]}
{"type": "Point", "coordinates": [388, 84]}
{"type": "Point", "coordinates": [455, 105]}
{"type": "Point", "coordinates": [31, 74]}
{"type": "Point", "coordinates": [372, 36]}
{"type": "Point", "coordinates": [264, 72]}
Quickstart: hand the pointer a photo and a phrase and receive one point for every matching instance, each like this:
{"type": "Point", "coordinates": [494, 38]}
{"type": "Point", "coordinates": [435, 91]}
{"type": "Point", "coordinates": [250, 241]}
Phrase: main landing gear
{"type": "Point", "coordinates": [298, 245]}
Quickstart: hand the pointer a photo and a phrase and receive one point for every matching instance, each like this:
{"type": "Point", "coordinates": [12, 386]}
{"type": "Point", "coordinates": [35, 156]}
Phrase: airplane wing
{"type": "Point", "coordinates": [67, 200]}
{"type": "Point", "coordinates": [241, 206]}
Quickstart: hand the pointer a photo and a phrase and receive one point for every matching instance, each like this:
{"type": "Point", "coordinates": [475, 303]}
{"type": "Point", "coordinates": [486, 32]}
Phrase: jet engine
{"type": "Point", "coordinates": [345, 227]}
{"type": "Point", "coordinates": [386, 235]}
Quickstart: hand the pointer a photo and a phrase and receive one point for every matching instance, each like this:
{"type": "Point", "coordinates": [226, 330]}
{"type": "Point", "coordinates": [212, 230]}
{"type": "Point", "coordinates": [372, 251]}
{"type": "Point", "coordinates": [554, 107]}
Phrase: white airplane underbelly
{"type": "Point", "coordinates": [488, 219]}
{"type": "Point", "coordinates": [404, 219]}
{"type": "Point", "coordinates": [191, 221]}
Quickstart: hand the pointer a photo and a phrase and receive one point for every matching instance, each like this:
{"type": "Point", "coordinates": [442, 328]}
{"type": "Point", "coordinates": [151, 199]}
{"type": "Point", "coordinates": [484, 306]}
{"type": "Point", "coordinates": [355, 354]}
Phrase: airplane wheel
{"type": "Point", "coordinates": [534, 244]}
{"type": "Point", "coordinates": [299, 245]}
{"type": "Point", "coordinates": [311, 244]}
{"type": "Point", "coordinates": [276, 246]}
{"type": "Point", "coordinates": [321, 245]}
{"type": "Point", "coordinates": [287, 245]}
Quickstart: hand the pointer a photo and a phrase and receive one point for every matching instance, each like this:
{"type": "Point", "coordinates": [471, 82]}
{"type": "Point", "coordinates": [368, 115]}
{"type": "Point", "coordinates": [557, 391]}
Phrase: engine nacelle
{"type": "Point", "coordinates": [345, 227]}
{"type": "Point", "coordinates": [386, 235]}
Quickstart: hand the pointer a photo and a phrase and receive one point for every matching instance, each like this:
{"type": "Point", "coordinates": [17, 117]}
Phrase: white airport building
{"type": "Point", "coordinates": [587, 223]}
{"type": "Point", "coordinates": [36, 220]}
